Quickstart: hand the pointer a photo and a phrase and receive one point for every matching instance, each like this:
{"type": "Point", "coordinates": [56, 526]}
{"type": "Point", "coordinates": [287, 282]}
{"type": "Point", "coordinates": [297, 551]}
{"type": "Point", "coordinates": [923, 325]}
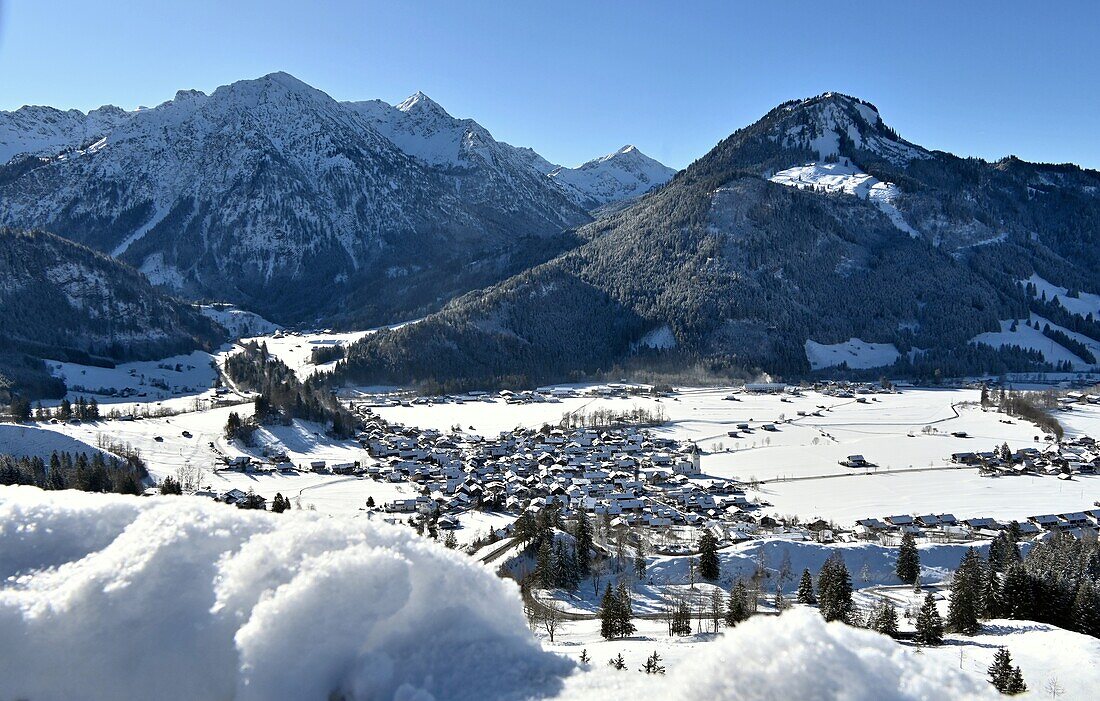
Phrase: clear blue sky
{"type": "Point", "coordinates": [579, 79]}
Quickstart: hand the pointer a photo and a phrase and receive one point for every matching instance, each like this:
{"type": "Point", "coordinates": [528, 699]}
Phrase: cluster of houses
{"type": "Point", "coordinates": [625, 475]}
{"type": "Point", "coordinates": [1078, 456]}
{"type": "Point", "coordinates": [540, 395]}
{"type": "Point", "coordinates": [947, 527]}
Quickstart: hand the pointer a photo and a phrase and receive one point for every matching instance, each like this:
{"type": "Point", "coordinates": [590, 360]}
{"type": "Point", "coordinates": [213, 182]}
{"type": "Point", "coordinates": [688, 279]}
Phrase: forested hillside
{"type": "Point", "coordinates": [63, 301]}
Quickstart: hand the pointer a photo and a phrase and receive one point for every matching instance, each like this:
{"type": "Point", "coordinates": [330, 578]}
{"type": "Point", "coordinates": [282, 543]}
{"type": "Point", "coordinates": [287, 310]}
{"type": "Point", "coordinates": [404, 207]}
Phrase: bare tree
{"type": "Point", "coordinates": [717, 608]}
{"type": "Point", "coordinates": [549, 617]}
{"type": "Point", "coordinates": [190, 477]}
{"type": "Point", "coordinates": [1053, 688]}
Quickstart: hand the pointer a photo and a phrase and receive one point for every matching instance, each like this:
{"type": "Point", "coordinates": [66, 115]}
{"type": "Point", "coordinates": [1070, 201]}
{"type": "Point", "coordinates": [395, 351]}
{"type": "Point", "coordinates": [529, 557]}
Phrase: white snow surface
{"type": "Point", "coordinates": [794, 656]}
{"type": "Point", "coordinates": [855, 352]}
{"type": "Point", "coordinates": [1031, 338]}
{"type": "Point", "coordinates": [238, 322]}
{"type": "Point", "coordinates": [180, 598]}
{"type": "Point", "coordinates": [1084, 304]}
{"type": "Point", "coordinates": [845, 177]}
{"type": "Point", "coordinates": [660, 337]}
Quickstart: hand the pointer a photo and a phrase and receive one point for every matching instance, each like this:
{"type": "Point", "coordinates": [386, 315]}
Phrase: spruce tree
{"type": "Point", "coordinates": [1086, 609]}
{"type": "Point", "coordinates": [544, 563]}
{"type": "Point", "coordinates": [608, 613]}
{"type": "Point", "coordinates": [884, 619]}
{"type": "Point", "coordinates": [929, 623]}
{"type": "Point", "coordinates": [653, 665]}
{"type": "Point", "coordinates": [1017, 594]}
{"type": "Point", "coordinates": [1004, 676]}
{"type": "Point", "coordinates": [806, 589]}
{"type": "Point", "coordinates": [834, 589]}
{"type": "Point", "coordinates": [709, 567]}
{"type": "Point", "coordinates": [625, 612]}
{"type": "Point", "coordinates": [908, 565]}
{"type": "Point", "coordinates": [737, 609]}
{"type": "Point", "coordinates": [681, 619]}
{"type": "Point", "coordinates": [584, 545]}
{"type": "Point", "coordinates": [967, 590]}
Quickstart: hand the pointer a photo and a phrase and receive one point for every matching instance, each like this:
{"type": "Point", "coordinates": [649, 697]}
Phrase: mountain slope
{"type": "Point", "coordinates": [270, 194]}
{"type": "Point", "coordinates": [740, 261]}
{"type": "Point", "coordinates": [64, 301]}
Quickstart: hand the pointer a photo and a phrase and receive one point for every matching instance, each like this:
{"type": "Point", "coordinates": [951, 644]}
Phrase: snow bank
{"type": "Point", "coordinates": [795, 656]}
{"type": "Point", "coordinates": [857, 353]}
{"type": "Point", "coordinates": [164, 598]}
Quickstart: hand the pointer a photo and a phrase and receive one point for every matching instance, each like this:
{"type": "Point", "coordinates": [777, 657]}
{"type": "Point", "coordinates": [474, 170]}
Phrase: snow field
{"type": "Point", "coordinates": [856, 353]}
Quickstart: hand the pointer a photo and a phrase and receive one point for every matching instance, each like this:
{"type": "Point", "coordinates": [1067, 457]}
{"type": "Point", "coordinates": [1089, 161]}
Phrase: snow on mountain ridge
{"type": "Point", "coordinates": [620, 175]}
{"type": "Point", "coordinates": [819, 123]}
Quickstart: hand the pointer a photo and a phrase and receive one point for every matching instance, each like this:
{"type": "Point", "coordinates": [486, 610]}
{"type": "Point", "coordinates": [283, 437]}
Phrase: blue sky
{"type": "Point", "coordinates": [578, 79]}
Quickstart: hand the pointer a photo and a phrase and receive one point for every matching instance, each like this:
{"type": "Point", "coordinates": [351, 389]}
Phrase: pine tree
{"type": "Point", "coordinates": [884, 619]}
{"type": "Point", "coordinates": [929, 623]}
{"type": "Point", "coordinates": [1017, 594]}
{"type": "Point", "coordinates": [584, 545]}
{"type": "Point", "coordinates": [280, 504]}
{"type": "Point", "coordinates": [608, 613]}
{"type": "Point", "coordinates": [1086, 609]}
{"type": "Point", "coordinates": [544, 563]}
{"type": "Point", "coordinates": [584, 658]}
{"type": "Point", "coordinates": [834, 589]}
{"type": "Point", "coordinates": [625, 610]}
{"type": "Point", "coordinates": [806, 589]}
{"type": "Point", "coordinates": [653, 665]}
{"type": "Point", "coordinates": [908, 565]}
{"type": "Point", "coordinates": [967, 590]}
{"type": "Point", "coordinates": [681, 619]}
{"type": "Point", "coordinates": [617, 662]}
{"type": "Point", "coordinates": [991, 596]}
{"type": "Point", "coordinates": [1005, 677]}
{"type": "Point", "coordinates": [709, 567]}
{"type": "Point", "coordinates": [1016, 683]}
{"type": "Point", "coordinates": [737, 609]}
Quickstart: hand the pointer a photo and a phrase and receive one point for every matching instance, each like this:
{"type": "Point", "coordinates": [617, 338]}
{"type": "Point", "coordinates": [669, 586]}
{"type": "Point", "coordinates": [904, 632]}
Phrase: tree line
{"type": "Point", "coordinates": [97, 472]}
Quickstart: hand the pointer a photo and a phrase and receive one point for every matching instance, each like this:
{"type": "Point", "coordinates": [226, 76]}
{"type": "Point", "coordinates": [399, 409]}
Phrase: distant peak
{"type": "Point", "coordinates": [281, 77]}
{"type": "Point", "coordinates": [184, 95]}
{"type": "Point", "coordinates": [627, 149]}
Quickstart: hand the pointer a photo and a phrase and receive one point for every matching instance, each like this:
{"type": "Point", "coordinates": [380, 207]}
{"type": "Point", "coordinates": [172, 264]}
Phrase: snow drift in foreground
{"type": "Point", "coordinates": [795, 656]}
{"type": "Point", "coordinates": [184, 598]}
{"type": "Point", "coordinates": [111, 597]}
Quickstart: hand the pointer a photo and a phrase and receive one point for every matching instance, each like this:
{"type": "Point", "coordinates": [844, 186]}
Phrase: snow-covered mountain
{"type": "Point", "coordinates": [45, 130]}
{"type": "Point", "coordinates": [487, 172]}
{"type": "Point", "coordinates": [270, 194]}
{"type": "Point", "coordinates": [622, 175]}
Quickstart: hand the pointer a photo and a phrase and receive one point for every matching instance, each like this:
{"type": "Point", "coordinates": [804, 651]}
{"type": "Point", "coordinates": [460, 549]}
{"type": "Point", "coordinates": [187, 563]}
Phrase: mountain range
{"type": "Point", "coordinates": [270, 194]}
{"type": "Point", "coordinates": [814, 240]}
